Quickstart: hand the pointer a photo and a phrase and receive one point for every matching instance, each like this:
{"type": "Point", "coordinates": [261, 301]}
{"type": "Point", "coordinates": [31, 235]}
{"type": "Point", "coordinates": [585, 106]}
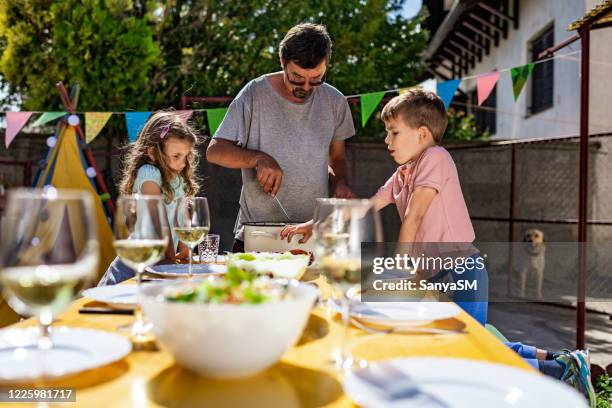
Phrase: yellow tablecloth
{"type": "Point", "coordinates": [303, 378]}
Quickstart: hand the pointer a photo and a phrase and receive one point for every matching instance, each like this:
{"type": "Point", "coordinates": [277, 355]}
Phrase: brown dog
{"type": "Point", "coordinates": [532, 259]}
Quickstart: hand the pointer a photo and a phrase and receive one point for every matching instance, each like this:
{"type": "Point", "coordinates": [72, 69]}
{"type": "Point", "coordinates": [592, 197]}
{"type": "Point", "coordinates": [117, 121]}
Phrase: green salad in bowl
{"type": "Point", "coordinates": [237, 286]}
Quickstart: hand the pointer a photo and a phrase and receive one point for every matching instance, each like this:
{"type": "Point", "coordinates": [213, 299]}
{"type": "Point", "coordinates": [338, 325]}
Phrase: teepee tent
{"type": "Point", "coordinates": [66, 168]}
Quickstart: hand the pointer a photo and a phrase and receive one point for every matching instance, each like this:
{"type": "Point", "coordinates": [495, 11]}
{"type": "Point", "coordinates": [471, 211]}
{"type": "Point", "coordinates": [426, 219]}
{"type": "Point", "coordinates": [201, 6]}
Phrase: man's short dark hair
{"type": "Point", "coordinates": [307, 45]}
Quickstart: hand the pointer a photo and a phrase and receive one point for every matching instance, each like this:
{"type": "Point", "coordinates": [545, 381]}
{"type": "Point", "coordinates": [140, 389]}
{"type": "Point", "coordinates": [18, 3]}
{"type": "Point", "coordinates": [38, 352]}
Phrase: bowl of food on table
{"type": "Point", "coordinates": [287, 265]}
{"type": "Point", "coordinates": [228, 326]}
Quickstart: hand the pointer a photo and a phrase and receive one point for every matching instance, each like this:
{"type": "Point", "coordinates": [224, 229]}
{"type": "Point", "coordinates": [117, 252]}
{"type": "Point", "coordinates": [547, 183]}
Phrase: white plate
{"type": "Point", "coordinates": [469, 383]}
{"type": "Point", "coordinates": [180, 270]}
{"type": "Point", "coordinates": [397, 314]}
{"type": "Point", "coordinates": [117, 296]}
{"type": "Point", "coordinates": [74, 350]}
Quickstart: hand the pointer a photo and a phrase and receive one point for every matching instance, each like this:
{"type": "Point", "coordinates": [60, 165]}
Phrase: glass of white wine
{"type": "Point", "coordinates": [191, 223]}
{"type": "Point", "coordinates": [141, 235]}
{"type": "Point", "coordinates": [340, 227]}
{"type": "Point", "coordinates": [49, 252]}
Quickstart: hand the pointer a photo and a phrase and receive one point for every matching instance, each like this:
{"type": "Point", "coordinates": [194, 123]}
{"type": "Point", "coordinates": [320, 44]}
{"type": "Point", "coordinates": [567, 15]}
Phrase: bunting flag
{"type": "Point", "coordinates": [369, 102]}
{"type": "Point", "coordinates": [94, 122]}
{"type": "Point", "coordinates": [134, 122]}
{"type": "Point", "coordinates": [447, 89]}
{"type": "Point", "coordinates": [519, 78]}
{"type": "Point", "coordinates": [427, 85]}
{"type": "Point", "coordinates": [14, 122]}
{"type": "Point", "coordinates": [485, 84]}
{"type": "Point", "coordinates": [215, 117]}
{"type": "Point", "coordinates": [47, 117]}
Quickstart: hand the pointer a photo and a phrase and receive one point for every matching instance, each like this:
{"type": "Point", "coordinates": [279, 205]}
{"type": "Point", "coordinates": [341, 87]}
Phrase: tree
{"type": "Point", "coordinates": [130, 54]}
{"type": "Point", "coordinates": [462, 126]}
{"type": "Point", "coordinates": [215, 47]}
{"type": "Point", "coordinates": [105, 45]}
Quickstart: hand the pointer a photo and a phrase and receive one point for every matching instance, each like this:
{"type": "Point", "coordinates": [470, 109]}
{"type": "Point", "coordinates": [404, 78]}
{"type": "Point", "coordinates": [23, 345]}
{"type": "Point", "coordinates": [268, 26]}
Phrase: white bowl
{"type": "Point", "coordinates": [292, 268]}
{"type": "Point", "coordinates": [228, 340]}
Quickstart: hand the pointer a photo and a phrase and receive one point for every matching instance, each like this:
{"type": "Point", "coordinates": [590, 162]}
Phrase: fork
{"type": "Point", "coordinates": [397, 385]}
{"type": "Point", "coordinates": [426, 330]}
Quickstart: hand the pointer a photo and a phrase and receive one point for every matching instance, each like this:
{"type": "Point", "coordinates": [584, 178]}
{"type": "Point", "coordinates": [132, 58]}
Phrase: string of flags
{"type": "Point", "coordinates": [485, 83]}
{"type": "Point", "coordinates": [95, 121]}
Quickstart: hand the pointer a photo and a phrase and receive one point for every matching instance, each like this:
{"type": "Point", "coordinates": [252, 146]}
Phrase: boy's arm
{"type": "Point", "coordinates": [378, 203]}
{"type": "Point", "coordinates": [421, 199]}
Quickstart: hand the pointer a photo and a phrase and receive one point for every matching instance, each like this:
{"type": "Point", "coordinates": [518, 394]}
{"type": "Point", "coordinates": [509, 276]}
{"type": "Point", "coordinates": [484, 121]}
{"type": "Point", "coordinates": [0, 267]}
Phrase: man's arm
{"type": "Point", "coordinates": [337, 163]}
{"type": "Point", "coordinates": [226, 154]}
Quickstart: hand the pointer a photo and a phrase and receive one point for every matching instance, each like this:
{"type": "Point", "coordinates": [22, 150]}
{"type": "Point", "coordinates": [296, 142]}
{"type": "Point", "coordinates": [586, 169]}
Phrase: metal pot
{"type": "Point", "coordinates": [265, 237]}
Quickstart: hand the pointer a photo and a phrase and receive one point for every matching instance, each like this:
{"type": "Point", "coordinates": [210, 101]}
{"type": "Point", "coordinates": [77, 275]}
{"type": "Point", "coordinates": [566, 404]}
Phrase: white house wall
{"type": "Point", "coordinates": [513, 119]}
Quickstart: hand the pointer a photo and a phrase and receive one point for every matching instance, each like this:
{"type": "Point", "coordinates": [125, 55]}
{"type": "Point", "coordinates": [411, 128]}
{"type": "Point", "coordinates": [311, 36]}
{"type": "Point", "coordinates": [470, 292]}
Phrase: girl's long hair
{"type": "Point", "coordinates": [162, 126]}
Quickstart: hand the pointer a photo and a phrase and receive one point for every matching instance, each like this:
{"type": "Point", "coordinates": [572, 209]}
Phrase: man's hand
{"type": "Point", "coordinates": [269, 173]}
{"type": "Point", "coordinates": [341, 190]}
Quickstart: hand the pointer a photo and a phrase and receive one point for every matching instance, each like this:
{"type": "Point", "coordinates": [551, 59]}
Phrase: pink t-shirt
{"type": "Point", "coordinates": [447, 218]}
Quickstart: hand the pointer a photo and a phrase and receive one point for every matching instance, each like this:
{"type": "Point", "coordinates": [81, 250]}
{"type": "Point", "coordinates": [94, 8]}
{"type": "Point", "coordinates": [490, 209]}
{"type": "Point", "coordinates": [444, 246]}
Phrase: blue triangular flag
{"type": "Point", "coordinates": [447, 89]}
{"type": "Point", "coordinates": [134, 122]}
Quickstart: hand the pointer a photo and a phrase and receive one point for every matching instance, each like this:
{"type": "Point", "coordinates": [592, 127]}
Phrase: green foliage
{"type": "Point", "coordinates": [603, 389]}
{"type": "Point", "coordinates": [130, 54]}
{"type": "Point", "coordinates": [214, 48]}
{"type": "Point", "coordinates": [105, 45]}
{"type": "Point", "coordinates": [463, 127]}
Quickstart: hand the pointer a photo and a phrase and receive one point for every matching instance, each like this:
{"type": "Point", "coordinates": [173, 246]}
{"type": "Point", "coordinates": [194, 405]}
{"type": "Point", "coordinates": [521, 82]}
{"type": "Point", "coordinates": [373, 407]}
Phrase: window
{"type": "Point", "coordinates": [542, 77]}
{"type": "Point", "coordinates": [485, 115]}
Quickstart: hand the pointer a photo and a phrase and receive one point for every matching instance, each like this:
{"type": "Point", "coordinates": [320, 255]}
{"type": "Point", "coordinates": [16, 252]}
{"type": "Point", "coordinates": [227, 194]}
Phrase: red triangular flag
{"type": "Point", "coordinates": [485, 84]}
{"type": "Point", "coordinates": [14, 122]}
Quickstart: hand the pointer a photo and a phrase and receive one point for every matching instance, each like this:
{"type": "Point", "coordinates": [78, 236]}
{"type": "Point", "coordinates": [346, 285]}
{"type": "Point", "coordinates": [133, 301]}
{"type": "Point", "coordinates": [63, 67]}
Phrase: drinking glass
{"type": "Point", "coordinates": [141, 235]}
{"type": "Point", "coordinates": [49, 252]}
{"type": "Point", "coordinates": [191, 223]}
{"type": "Point", "coordinates": [209, 248]}
{"type": "Point", "coordinates": [340, 227]}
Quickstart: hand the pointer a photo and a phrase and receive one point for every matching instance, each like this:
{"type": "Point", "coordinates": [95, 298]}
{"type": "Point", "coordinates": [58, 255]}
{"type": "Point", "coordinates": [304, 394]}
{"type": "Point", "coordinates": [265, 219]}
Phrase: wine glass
{"type": "Point", "coordinates": [141, 235]}
{"type": "Point", "coordinates": [340, 227]}
{"type": "Point", "coordinates": [49, 252]}
{"type": "Point", "coordinates": [191, 223]}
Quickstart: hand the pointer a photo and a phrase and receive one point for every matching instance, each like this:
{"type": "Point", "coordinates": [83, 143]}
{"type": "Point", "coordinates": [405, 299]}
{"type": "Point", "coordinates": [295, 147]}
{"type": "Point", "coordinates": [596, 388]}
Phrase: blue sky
{"type": "Point", "coordinates": [411, 8]}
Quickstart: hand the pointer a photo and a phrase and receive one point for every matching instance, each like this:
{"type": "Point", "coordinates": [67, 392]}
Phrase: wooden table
{"type": "Point", "coordinates": [303, 378]}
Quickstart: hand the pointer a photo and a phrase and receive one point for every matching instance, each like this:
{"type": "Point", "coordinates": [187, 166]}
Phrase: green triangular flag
{"type": "Point", "coordinates": [215, 117]}
{"type": "Point", "coordinates": [519, 78]}
{"type": "Point", "coordinates": [47, 117]}
{"type": "Point", "coordinates": [369, 102]}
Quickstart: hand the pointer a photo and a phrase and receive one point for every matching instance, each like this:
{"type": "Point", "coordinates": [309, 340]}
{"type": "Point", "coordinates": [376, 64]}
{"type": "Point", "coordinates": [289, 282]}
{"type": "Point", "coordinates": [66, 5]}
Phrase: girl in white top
{"type": "Point", "coordinates": [160, 162]}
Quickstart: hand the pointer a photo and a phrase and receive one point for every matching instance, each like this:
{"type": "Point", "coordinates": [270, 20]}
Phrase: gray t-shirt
{"type": "Point", "coordinates": [297, 136]}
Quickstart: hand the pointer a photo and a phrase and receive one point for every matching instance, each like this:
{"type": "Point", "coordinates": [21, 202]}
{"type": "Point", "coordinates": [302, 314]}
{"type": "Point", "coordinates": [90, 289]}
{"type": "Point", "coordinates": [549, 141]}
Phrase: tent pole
{"type": "Point", "coordinates": [88, 153]}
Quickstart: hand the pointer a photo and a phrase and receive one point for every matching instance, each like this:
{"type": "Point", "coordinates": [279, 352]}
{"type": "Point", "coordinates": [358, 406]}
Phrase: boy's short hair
{"type": "Point", "coordinates": [418, 107]}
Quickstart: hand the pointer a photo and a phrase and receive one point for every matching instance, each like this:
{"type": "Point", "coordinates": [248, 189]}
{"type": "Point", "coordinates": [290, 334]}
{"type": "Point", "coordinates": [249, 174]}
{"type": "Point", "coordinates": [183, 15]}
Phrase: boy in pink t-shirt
{"type": "Point", "coordinates": [426, 191]}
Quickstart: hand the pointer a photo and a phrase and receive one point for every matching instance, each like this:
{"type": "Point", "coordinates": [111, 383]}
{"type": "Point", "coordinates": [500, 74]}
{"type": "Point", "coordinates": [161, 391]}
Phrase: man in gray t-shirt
{"type": "Point", "coordinates": [286, 131]}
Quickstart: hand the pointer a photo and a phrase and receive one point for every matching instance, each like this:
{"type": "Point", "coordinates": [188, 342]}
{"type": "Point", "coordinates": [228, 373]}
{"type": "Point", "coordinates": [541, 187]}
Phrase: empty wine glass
{"type": "Point", "coordinates": [141, 235]}
{"type": "Point", "coordinates": [191, 223]}
{"type": "Point", "coordinates": [340, 228]}
{"type": "Point", "coordinates": [49, 253]}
